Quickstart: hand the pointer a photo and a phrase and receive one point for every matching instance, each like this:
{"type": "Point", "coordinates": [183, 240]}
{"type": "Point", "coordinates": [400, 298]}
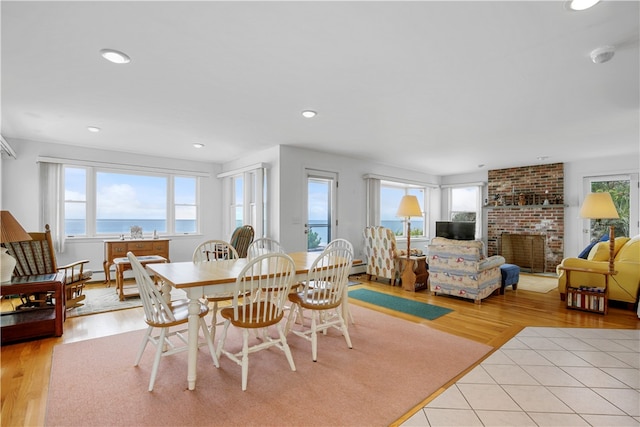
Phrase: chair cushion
{"type": "Point", "coordinates": [86, 275]}
{"type": "Point", "coordinates": [630, 252]}
{"type": "Point", "coordinates": [600, 252]}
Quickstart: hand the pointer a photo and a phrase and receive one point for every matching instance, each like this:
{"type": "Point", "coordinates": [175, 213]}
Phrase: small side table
{"type": "Point", "coordinates": [414, 279]}
{"type": "Point", "coordinates": [595, 300]}
{"type": "Point", "coordinates": [123, 264]}
{"type": "Point", "coordinates": [34, 322]}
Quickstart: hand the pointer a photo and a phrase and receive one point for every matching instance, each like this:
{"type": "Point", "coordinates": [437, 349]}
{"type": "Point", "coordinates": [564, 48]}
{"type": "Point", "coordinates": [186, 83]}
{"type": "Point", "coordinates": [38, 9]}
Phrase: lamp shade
{"type": "Point", "coordinates": [598, 206]}
{"type": "Point", "coordinates": [12, 231]}
{"type": "Point", "coordinates": [409, 207]}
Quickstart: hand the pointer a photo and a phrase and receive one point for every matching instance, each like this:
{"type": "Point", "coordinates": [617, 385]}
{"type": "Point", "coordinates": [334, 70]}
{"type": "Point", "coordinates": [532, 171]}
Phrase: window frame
{"type": "Point", "coordinates": [91, 172]}
{"type": "Point", "coordinates": [479, 187]}
{"type": "Point", "coordinates": [254, 198]}
{"type": "Point", "coordinates": [406, 186]}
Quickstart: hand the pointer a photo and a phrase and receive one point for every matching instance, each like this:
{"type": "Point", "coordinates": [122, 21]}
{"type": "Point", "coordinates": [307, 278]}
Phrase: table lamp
{"type": "Point", "coordinates": [409, 207]}
{"type": "Point", "coordinates": [12, 231]}
{"type": "Point", "coordinates": [600, 206]}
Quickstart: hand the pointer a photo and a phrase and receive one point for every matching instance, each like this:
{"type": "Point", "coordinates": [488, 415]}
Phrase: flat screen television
{"type": "Point", "coordinates": [456, 230]}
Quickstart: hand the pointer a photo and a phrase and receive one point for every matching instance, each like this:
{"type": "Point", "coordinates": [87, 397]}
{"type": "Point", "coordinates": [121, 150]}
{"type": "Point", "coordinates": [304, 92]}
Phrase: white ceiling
{"type": "Point", "coordinates": [439, 87]}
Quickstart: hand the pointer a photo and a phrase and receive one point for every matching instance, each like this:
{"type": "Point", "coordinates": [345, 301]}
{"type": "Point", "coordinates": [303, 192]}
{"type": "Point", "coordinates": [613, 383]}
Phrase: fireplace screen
{"type": "Point", "coordinates": [524, 250]}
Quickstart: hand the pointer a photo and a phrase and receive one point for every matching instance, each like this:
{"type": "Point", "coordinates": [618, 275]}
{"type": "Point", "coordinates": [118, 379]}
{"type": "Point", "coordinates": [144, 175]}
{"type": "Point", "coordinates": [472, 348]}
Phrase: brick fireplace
{"type": "Point", "coordinates": [527, 203]}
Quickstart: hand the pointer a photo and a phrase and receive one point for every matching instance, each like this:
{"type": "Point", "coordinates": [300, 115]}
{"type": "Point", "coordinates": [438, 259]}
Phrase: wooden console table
{"type": "Point", "coordinates": [139, 247]}
{"type": "Point", "coordinates": [414, 280]}
{"type": "Point", "coordinates": [39, 321]}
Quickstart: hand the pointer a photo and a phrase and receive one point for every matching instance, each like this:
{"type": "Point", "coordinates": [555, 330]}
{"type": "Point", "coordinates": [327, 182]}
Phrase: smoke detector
{"type": "Point", "coordinates": [602, 54]}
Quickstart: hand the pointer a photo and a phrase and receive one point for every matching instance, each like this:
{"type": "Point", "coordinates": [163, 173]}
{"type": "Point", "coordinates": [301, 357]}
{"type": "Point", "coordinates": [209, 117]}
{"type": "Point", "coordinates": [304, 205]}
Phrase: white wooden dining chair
{"type": "Point", "coordinates": [268, 279]}
{"type": "Point", "coordinates": [162, 314]}
{"type": "Point", "coordinates": [345, 244]}
{"type": "Point", "coordinates": [322, 295]}
{"type": "Point", "coordinates": [215, 250]}
{"type": "Point", "coordinates": [264, 245]}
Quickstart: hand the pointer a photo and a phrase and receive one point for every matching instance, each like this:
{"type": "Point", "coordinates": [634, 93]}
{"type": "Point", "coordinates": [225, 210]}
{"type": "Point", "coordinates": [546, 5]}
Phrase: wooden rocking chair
{"type": "Point", "coordinates": [37, 256]}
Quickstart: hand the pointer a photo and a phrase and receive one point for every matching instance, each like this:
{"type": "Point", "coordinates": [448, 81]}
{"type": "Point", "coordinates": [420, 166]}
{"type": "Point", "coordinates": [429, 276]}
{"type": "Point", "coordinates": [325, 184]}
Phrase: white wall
{"type": "Point", "coordinates": [351, 203]}
{"type": "Point", "coordinates": [286, 181]}
{"type": "Point", "coordinates": [20, 195]}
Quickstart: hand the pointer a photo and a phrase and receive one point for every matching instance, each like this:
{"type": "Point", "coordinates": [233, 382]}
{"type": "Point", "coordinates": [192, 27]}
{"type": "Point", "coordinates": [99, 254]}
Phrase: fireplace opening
{"type": "Point", "coordinates": [524, 250]}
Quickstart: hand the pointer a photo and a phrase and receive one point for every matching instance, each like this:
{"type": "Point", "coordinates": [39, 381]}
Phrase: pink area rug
{"type": "Point", "coordinates": [394, 364]}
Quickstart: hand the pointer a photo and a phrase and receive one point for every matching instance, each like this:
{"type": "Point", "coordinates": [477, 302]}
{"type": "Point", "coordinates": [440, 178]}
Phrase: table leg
{"type": "Point", "coordinates": [165, 289]}
{"type": "Point", "coordinates": [107, 277]}
{"type": "Point", "coordinates": [192, 339]}
{"type": "Point", "coordinates": [346, 314]}
{"type": "Point", "coordinates": [120, 281]}
{"type": "Point", "coordinates": [408, 276]}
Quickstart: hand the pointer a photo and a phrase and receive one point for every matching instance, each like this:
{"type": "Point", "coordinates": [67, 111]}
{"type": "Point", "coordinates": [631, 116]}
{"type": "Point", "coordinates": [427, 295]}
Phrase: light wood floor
{"type": "Point", "coordinates": [26, 366]}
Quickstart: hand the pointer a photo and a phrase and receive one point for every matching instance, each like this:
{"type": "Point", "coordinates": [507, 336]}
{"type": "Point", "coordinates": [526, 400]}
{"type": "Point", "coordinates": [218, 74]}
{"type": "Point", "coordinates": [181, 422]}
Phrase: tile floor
{"type": "Point", "coordinates": [547, 377]}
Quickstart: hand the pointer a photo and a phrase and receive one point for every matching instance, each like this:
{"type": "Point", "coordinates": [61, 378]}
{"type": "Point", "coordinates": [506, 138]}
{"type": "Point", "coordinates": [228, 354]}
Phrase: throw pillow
{"type": "Point", "coordinates": [600, 252]}
{"type": "Point", "coordinates": [585, 252]}
{"type": "Point", "coordinates": [619, 243]}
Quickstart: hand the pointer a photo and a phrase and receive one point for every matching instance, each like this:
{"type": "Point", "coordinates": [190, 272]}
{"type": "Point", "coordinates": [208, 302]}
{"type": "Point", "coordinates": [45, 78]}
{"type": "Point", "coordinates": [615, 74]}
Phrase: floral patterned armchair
{"type": "Point", "coordinates": [380, 253]}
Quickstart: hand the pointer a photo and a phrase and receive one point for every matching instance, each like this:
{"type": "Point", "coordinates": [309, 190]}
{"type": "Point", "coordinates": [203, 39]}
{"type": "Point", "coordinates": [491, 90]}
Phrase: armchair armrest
{"type": "Point", "coordinates": [588, 270]}
{"type": "Point", "coordinates": [73, 264]}
{"type": "Point", "coordinates": [491, 262]}
{"type": "Point", "coordinates": [75, 271]}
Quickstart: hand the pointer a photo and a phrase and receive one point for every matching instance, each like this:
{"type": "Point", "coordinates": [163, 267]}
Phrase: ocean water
{"type": "Point", "coordinates": [74, 227]}
{"type": "Point", "coordinates": [397, 225]}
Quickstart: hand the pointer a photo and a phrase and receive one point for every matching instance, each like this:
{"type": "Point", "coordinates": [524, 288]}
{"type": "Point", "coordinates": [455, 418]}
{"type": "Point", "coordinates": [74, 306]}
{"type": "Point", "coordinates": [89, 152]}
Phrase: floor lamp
{"type": "Point", "coordinates": [409, 207]}
{"type": "Point", "coordinates": [12, 231]}
{"type": "Point", "coordinates": [600, 206]}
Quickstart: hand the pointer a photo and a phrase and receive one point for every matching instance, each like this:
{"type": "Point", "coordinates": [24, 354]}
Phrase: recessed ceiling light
{"type": "Point", "coordinates": [542, 158]}
{"type": "Point", "coordinates": [602, 54]}
{"type": "Point", "coordinates": [309, 114]}
{"type": "Point", "coordinates": [582, 4]}
{"type": "Point", "coordinates": [115, 56]}
{"type": "Point", "coordinates": [93, 129]}
{"type": "Point", "coordinates": [198, 145]}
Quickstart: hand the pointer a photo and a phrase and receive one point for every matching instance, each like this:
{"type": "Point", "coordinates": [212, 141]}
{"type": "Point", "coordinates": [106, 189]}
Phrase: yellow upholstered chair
{"type": "Point", "coordinates": [623, 286]}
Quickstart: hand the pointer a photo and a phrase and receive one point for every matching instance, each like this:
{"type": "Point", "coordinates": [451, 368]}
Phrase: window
{"type": "Point", "coordinates": [390, 195]}
{"type": "Point", "coordinates": [75, 201]}
{"type": "Point", "coordinates": [624, 192]}
{"type": "Point", "coordinates": [244, 194]}
{"type": "Point", "coordinates": [237, 204]}
{"type": "Point", "coordinates": [465, 205]}
{"type": "Point", "coordinates": [102, 202]}
{"type": "Point", "coordinates": [186, 204]}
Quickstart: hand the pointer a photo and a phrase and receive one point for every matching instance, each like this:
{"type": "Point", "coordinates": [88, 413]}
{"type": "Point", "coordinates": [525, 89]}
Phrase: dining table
{"type": "Point", "coordinates": [199, 279]}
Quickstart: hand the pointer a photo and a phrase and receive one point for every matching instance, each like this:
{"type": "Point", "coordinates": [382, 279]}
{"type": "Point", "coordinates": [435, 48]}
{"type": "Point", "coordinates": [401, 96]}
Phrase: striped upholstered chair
{"type": "Point", "coordinates": [241, 238]}
{"type": "Point", "coordinates": [37, 256]}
